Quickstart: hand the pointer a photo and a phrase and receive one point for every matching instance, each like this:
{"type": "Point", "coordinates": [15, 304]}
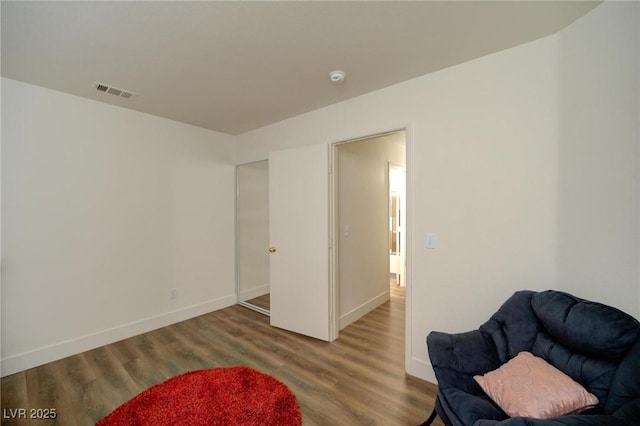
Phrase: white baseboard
{"type": "Point", "coordinates": [36, 357]}
{"type": "Point", "coordinates": [421, 369]}
{"type": "Point", "coordinates": [254, 292]}
{"type": "Point", "coordinates": [362, 310]}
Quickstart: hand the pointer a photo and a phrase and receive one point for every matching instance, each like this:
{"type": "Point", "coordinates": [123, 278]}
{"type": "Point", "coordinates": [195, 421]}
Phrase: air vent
{"type": "Point", "coordinates": [114, 91]}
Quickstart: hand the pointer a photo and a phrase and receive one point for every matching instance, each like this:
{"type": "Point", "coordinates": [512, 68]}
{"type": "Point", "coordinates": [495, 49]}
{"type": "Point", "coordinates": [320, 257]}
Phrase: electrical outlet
{"type": "Point", "coordinates": [173, 294]}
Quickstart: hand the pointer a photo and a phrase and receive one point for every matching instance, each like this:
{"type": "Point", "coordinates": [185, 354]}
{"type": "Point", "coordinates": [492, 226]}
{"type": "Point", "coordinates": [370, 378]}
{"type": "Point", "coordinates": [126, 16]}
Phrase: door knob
{"type": "Point", "coordinates": [272, 249]}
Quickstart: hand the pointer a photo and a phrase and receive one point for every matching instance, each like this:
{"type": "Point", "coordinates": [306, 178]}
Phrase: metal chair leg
{"type": "Point", "coordinates": [431, 418]}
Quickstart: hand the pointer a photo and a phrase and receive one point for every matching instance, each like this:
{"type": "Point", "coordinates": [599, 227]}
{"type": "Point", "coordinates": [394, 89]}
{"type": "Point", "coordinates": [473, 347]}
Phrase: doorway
{"type": "Point", "coordinates": [252, 236]}
{"type": "Point", "coordinates": [362, 223]}
{"type": "Point", "coordinates": [282, 231]}
{"type": "Point", "coordinates": [326, 245]}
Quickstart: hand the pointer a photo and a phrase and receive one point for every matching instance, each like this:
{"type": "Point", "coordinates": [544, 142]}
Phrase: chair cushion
{"type": "Point", "coordinates": [625, 388]}
{"type": "Point", "coordinates": [475, 407]}
{"type": "Point", "coordinates": [589, 328]}
{"type": "Point", "coordinates": [514, 327]}
{"type": "Point", "coordinates": [527, 386]}
{"type": "Point", "coordinates": [594, 374]}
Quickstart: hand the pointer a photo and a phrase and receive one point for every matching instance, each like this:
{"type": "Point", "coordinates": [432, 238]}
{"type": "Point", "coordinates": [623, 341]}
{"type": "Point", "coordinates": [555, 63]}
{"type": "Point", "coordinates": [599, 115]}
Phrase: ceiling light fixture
{"type": "Point", "coordinates": [337, 76]}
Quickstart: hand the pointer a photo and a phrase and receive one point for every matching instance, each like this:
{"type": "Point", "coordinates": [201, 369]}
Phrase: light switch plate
{"type": "Point", "coordinates": [430, 241]}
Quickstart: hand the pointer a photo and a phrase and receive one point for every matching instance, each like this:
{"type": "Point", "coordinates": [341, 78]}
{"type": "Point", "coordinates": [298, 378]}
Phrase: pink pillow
{"type": "Point", "coordinates": [527, 386]}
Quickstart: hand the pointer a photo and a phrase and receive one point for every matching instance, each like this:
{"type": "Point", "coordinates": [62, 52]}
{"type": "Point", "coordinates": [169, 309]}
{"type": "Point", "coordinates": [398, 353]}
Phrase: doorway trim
{"type": "Point", "coordinates": [333, 237]}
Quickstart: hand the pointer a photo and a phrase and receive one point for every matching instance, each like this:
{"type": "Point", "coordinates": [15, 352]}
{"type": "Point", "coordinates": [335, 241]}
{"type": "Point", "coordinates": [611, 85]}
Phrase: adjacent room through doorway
{"type": "Point", "coordinates": [369, 223]}
{"type": "Point", "coordinates": [397, 220]}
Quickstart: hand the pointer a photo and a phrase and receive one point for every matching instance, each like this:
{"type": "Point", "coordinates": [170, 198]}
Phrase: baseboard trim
{"type": "Point", "coordinates": [254, 292]}
{"type": "Point", "coordinates": [46, 354]}
{"type": "Point", "coordinates": [357, 313]}
{"type": "Point", "coordinates": [422, 369]}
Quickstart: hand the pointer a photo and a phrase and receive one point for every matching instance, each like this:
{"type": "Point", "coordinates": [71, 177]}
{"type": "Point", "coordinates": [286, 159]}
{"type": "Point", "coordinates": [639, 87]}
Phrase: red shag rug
{"type": "Point", "coordinates": [222, 396]}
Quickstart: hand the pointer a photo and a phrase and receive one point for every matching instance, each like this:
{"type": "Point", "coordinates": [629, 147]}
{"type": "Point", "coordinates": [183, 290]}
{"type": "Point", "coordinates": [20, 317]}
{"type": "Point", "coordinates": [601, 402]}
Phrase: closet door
{"type": "Point", "coordinates": [299, 236]}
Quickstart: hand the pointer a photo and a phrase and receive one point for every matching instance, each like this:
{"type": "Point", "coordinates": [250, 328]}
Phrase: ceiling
{"type": "Point", "coordinates": [240, 65]}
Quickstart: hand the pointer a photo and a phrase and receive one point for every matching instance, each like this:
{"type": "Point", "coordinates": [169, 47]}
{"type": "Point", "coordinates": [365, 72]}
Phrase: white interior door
{"type": "Point", "coordinates": [299, 235]}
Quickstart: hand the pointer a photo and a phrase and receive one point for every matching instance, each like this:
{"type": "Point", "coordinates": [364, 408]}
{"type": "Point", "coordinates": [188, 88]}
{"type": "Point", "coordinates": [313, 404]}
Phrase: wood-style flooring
{"type": "Point", "coordinates": [357, 380]}
{"type": "Point", "coordinates": [263, 301]}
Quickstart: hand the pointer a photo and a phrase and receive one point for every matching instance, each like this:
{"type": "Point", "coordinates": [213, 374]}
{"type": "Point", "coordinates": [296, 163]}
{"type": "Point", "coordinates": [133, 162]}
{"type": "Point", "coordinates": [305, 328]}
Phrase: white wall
{"type": "Point", "coordinates": [598, 156]}
{"type": "Point", "coordinates": [104, 212]}
{"type": "Point", "coordinates": [487, 148]}
{"type": "Point", "coordinates": [1, 258]}
{"type": "Point", "coordinates": [481, 171]}
{"type": "Point", "coordinates": [363, 223]}
{"type": "Point", "coordinates": [524, 164]}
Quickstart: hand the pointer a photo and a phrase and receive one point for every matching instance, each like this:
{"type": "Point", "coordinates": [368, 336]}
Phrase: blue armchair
{"type": "Point", "coordinates": [596, 345]}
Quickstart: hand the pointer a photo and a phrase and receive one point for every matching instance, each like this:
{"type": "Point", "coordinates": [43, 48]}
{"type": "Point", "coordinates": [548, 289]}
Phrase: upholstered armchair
{"type": "Point", "coordinates": [596, 346]}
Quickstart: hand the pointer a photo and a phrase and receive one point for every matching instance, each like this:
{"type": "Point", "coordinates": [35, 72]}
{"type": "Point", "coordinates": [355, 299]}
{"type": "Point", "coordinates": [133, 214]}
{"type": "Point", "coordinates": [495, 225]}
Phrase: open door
{"type": "Point", "coordinates": [299, 235]}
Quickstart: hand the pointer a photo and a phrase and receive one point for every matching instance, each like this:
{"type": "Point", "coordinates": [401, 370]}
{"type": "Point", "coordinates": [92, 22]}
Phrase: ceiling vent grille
{"type": "Point", "coordinates": [100, 87]}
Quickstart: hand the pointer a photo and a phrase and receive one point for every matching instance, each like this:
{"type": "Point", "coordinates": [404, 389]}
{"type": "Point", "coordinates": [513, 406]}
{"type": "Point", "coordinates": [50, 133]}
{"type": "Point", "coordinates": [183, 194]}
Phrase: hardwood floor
{"type": "Point", "coordinates": [263, 301]}
{"type": "Point", "coordinates": [357, 380]}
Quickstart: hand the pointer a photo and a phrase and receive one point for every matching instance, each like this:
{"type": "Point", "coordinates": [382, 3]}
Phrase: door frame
{"type": "Point", "coordinates": [333, 221]}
